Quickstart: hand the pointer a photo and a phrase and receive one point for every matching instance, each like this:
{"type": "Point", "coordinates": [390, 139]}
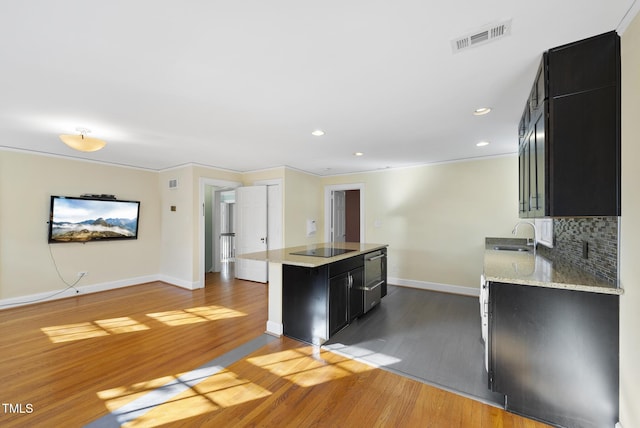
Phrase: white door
{"type": "Point", "coordinates": [251, 231]}
{"type": "Point", "coordinates": [338, 216]}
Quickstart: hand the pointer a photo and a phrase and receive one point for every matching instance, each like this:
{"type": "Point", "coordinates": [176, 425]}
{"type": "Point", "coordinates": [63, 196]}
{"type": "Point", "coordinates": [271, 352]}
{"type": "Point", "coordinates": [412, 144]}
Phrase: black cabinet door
{"type": "Point", "coordinates": [538, 166]}
{"type": "Point", "coordinates": [338, 302]}
{"type": "Point", "coordinates": [304, 303]}
{"type": "Point", "coordinates": [569, 136]}
{"type": "Point", "coordinates": [584, 65]}
{"type": "Point", "coordinates": [584, 154]}
{"type": "Point", "coordinates": [356, 294]}
{"type": "Point", "coordinates": [554, 353]}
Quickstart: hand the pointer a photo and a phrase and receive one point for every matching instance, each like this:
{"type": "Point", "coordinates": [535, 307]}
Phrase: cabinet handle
{"type": "Point", "coordinates": [374, 287]}
{"type": "Point", "coordinates": [375, 258]}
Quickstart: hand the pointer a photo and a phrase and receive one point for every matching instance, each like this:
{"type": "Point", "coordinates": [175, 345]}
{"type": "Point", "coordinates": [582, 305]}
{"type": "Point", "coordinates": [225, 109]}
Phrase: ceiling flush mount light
{"type": "Point", "coordinates": [481, 111]}
{"type": "Point", "coordinates": [81, 142]}
{"type": "Point", "coordinates": [358, 154]}
{"type": "Point", "coordinates": [482, 143]}
{"type": "Point", "coordinates": [318, 133]}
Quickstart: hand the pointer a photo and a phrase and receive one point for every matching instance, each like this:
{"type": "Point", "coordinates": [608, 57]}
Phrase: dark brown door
{"type": "Point", "coordinates": [352, 215]}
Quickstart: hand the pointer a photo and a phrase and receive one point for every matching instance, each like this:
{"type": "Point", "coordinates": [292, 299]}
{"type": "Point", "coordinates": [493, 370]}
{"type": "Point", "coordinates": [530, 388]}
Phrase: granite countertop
{"type": "Point", "coordinates": [522, 267]}
{"type": "Point", "coordinates": [284, 256]}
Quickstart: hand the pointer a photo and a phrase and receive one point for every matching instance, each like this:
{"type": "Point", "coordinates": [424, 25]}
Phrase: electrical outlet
{"type": "Point", "coordinates": [82, 274]}
{"type": "Point", "coordinates": [585, 249]}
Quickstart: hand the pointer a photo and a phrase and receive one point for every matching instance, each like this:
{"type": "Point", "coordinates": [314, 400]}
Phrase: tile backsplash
{"type": "Point", "coordinates": [601, 235]}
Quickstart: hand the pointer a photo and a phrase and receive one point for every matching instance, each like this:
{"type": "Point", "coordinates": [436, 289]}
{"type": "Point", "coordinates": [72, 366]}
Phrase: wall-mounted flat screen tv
{"type": "Point", "coordinates": [73, 219]}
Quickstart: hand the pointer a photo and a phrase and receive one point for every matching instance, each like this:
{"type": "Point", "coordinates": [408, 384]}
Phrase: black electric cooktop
{"type": "Point", "coordinates": [322, 252]}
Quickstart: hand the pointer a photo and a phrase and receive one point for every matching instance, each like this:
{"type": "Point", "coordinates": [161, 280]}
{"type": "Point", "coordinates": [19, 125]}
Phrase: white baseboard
{"type": "Point", "coordinates": [189, 285]}
{"type": "Point", "coordinates": [76, 291]}
{"type": "Point", "coordinates": [433, 286]}
{"type": "Point", "coordinates": [275, 328]}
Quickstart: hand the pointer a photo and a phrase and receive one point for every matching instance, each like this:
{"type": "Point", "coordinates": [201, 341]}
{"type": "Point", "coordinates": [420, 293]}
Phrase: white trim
{"type": "Point", "coordinates": [433, 286]}
{"type": "Point", "coordinates": [420, 165]}
{"type": "Point", "coordinates": [276, 211]}
{"type": "Point", "coordinates": [81, 290]}
{"type": "Point", "coordinates": [271, 182]}
{"type": "Point", "coordinates": [628, 17]}
{"type": "Point", "coordinates": [201, 228]}
{"type": "Point", "coordinates": [274, 328]}
{"type": "Point", "coordinates": [75, 158]}
{"type": "Point", "coordinates": [189, 285]}
{"type": "Point", "coordinates": [327, 207]}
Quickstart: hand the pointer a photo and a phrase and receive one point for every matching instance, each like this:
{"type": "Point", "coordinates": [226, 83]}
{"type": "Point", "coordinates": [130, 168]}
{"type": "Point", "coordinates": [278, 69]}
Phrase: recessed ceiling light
{"type": "Point", "coordinates": [481, 111]}
{"type": "Point", "coordinates": [482, 143]}
{"type": "Point", "coordinates": [318, 133]}
{"type": "Point", "coordinates": [358, 154]}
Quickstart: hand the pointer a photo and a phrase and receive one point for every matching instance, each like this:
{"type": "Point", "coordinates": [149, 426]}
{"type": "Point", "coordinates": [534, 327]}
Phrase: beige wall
{"type": "Point", "coordinates": [177, 227]}
{"type": "Point", "coordinates": [435, 217]}
{"type": "Point", "coordinates": [302, 202]}
{"type": "Point", "coordinates": [180, 231]}
{"type": "Point", "coordinates": [630, 230]}
{"type": "Point", "coordinates": [26, 183]}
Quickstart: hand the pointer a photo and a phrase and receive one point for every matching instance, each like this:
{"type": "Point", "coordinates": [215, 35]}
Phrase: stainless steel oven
{"type": "Point", "coordinates": [374, 278]}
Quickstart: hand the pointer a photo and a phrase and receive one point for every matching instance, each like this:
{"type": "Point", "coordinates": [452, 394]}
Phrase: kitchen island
{"type": "Point", "coordinates": [298, 306]}
{"type": "Point", "coordinates": [551, 335]}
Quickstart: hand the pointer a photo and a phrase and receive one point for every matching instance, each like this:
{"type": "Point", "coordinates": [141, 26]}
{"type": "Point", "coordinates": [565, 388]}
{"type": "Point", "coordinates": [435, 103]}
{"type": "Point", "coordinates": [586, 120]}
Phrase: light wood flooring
{"type": "Point", "coordinates": [71, 362]}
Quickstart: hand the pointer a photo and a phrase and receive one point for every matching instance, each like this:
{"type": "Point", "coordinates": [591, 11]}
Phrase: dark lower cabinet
{"type": "Point", "coordinates": [356, 294]}
{"type": "Point", "coordinates": [554, 354]}
{"type": "Point", "coordinates": [318, 302]}
{"type": "Point", "coordinates": [338, 302]}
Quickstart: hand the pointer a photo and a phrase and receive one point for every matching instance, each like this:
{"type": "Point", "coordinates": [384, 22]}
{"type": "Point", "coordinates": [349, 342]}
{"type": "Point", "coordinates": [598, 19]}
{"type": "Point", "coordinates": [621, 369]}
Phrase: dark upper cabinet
{"type": "Point", "coordinates": [584, 65]}
{"type": "Point", "coordinates": [585, 161]}
{"type": "Point", "coordinates": [569, 134]}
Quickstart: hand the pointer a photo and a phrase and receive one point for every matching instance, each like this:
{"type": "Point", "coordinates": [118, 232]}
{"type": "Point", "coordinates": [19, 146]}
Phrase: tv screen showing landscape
{"type": "Point", "coordinates": [85, 219]}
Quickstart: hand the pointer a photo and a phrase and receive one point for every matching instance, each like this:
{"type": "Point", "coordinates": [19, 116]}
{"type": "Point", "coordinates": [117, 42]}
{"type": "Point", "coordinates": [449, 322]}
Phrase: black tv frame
{"type": "Point", "coordinates": [98, 224]}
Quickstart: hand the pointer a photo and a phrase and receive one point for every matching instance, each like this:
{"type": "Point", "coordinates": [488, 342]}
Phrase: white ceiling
{"type": "Point", "coordinates": [241, 84]}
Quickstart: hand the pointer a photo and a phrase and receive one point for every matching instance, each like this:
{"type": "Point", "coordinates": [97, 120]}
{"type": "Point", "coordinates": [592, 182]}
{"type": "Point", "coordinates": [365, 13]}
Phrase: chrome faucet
{"type": "Point", "coordinates": [535, 234]}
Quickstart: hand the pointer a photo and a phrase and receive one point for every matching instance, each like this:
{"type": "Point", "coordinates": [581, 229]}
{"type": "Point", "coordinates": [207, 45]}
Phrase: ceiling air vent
{"type": "Point", "coordinates": [481, 36]}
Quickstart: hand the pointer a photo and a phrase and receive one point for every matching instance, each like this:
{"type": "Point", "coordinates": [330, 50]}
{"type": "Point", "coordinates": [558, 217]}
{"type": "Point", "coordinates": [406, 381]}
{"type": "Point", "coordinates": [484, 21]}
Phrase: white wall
{"type": "Point", "coordinates": [630, 230]}
{"type": "Point", "coordinates": [26, 267]}
{"type": "Point", "coordinates": [435, 217]}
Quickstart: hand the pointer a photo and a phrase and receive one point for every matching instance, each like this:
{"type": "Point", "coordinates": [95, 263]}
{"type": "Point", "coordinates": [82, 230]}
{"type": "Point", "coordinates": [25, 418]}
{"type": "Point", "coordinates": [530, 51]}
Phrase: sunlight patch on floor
{"type": "Point", "coordinates": [86, 330]}
{"type": "Point", "coordinates": [377, 359]}
{"type": "Point", "coordinates": [107, 327]}
{"type": "Point", "coordinates": [221, 390]}
{"type": "Point", "coordinates": [115, 398]}
{"type": "Point", "coordinates": [308, 366]}
{"type": "Point", "coordinates": [195, 315]}
{"type": "Point", "coordinates": [179, 397]}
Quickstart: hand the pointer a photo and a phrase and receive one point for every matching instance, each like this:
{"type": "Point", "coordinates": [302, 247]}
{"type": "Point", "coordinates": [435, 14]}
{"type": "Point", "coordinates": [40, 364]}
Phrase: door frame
{"type": "Point", "coordinates": [204, 182]}
{"type": "Point", "coordinates": [328, 190]}
{"type": "Point", "coordinates": [275, 211]}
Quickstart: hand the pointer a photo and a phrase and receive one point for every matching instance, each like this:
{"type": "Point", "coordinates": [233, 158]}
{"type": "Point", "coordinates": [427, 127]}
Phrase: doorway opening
{"type": "Point", "coordinates": [217, 229]}
{"type": "Point", "coordinates": [344, 213]}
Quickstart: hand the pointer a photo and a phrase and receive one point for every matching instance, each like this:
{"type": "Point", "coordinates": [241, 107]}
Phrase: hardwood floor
{"type": "Point", "coordinates": [71, 362]}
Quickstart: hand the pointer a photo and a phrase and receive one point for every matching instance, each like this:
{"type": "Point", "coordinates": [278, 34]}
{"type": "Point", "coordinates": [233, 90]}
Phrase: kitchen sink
{"type": "Point", "coordinates": [513, 248]}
